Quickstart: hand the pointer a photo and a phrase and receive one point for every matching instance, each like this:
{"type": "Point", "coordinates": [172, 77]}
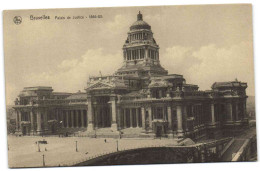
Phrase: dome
{"type": "Point", "coordinates": [140, 24]}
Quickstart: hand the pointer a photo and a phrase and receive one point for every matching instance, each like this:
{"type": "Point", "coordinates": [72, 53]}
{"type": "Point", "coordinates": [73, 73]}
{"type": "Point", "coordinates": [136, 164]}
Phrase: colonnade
{"type": "Point", "coordinates": [126, 117]}
{"type": "Point", "coordinates": [37, 119]}
{"type": "Point", "coordinates": [72, 118]}
{"type": "Point", "coordinates": [141, 53]}
{"type": "Point", "coordinates": [130, 117]}
{"type": "Point", "coordinates": [94, 113]}
{"type": "Point", "coordinates": [143, 117]}
{"type": "Point", "coordinates": [235, 111]}
{"type": "Point", "coordinates": [139, 36]}
{"type": "Point", "coordinates": [134, 54]}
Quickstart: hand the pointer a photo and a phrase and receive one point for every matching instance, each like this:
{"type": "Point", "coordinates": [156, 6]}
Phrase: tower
{"type": "Point", "coordinates": [141, 52]}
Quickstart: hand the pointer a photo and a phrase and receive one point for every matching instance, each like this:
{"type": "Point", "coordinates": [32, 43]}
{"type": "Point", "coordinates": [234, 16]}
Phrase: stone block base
{"type": "Point", "coordinates": [180, 134]}
{"type": "Point", "coordinates": [104, 133]}
{"type": "Point", "coordinates": [18, 132]}
{"type": "Point", "coordinates": [90, 127]}
{"type": "Point", "coordinates": [114, 127]}
{"type": "Point", "coordinates": [170, 135]}
{"type": "Point", "coordinates": [39, 132]}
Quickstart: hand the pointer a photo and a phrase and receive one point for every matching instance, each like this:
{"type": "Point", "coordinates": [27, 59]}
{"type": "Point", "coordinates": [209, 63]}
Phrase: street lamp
{"type": "Point", "coordinates": [39, 150]}
{"type": "Point", "coordinates": [76, 146]}
{"type": "Point", "coordinates": [43, 162]}
{"type": "Point", "coordinates": [117, 145]}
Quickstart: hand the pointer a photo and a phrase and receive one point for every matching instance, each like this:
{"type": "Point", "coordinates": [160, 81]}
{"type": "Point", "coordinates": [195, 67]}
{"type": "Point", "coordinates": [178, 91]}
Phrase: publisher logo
{"type": "Point", "coordinates": [17, 20]}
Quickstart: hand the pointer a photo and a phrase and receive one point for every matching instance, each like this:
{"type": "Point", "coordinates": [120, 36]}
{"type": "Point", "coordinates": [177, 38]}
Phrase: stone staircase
{"type": "Point", "coordinates": [100, 133]}
{"type": "Point", "coordinates": [71, 131]}
{"type": "Point", "coordinates": [135, 133]}
{"type": "Point", "coordinates": [107, 133]}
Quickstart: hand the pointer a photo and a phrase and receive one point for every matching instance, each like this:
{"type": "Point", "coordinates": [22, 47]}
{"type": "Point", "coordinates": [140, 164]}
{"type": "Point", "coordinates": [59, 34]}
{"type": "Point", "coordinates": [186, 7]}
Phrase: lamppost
{"type": "Point", "coordinates": [39, 150]}
{"type": "Point", "coordinates": [76, 146]}
{"type": "Point", "coordinates": [117, 145]}
{"type": "Point", "coordinates": [43, 162]}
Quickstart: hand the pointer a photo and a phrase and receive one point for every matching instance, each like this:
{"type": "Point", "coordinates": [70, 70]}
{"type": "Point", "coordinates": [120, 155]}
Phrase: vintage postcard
{"type": "Point", "coordinates": [130, 85]}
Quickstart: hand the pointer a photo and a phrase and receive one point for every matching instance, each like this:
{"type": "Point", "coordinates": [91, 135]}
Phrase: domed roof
{"type": "Point", "coordinates": [140, 24]}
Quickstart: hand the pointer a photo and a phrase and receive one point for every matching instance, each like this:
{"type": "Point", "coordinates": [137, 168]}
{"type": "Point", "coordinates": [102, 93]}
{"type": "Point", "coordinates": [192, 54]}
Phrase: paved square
{"type": "Point", "coordinates": [23, 151]}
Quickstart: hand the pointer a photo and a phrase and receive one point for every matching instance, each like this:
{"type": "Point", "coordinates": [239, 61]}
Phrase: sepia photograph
{"type": "Point", "coordinates": [129, 85]}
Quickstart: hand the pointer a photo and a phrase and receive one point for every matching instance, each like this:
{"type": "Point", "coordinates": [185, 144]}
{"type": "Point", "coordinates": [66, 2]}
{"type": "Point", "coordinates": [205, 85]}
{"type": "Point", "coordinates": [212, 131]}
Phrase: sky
{"type": "Point", "coordinates": [204, 43]}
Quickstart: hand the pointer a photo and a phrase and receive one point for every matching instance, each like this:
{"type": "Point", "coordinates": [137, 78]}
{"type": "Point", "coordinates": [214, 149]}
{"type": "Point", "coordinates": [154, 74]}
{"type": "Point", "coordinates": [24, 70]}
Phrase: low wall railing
{"type": "Point", "coordinates": [106, 154]}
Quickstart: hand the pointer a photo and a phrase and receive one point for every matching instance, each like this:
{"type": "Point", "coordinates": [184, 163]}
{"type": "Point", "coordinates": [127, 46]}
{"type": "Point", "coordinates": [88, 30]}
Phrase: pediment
{"type": "Point", "coordinates": [100, 85]}
{"type": "Point", "coordinates": [158, 84]}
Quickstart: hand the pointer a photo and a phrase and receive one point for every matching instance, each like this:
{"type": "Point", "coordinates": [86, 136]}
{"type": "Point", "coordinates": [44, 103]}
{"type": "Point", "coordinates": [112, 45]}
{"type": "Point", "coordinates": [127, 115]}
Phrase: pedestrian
{"type": "Point", "coordinates": [105, 140]}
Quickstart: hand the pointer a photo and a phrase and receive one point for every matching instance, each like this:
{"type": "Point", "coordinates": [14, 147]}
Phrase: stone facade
{"type": "Point", "coordinates": [139, 100]}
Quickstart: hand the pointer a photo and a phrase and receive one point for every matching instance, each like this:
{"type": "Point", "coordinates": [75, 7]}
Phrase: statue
{"type": "Point", "coordinates": [148, 93]}
{"type": "Point", "coordinates": [17, 102]}
{"type": "Point", "coordinates": [119, 98]}
{"type": "Point", "coordinates": [31, 102]}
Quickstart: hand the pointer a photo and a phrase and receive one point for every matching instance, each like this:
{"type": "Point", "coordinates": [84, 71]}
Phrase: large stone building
{"type": "Point", "coordinates": [139, 100]}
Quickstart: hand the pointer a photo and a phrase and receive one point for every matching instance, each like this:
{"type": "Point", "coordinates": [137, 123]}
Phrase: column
{"type": "Point", "coordinates": [89, 115]}
{"type": "Point", "coordinates": [185, 117]}
{"type": "Point", "coordinates": [244, 110]}
{"type": "Point", "coordinates": [113, 105]}
{"type": "Point", "coordinates": [131, 117]}
{"type": "Point", "coordinates": [169, 112]}
{"type": "Point", "coordinates": [145, 53]}
{"type": "Point", "coordinates": [77, 119]}
{"type": "Point", "coordinates": [45, 121]}
{"type": "Point", "coordinates": [39, 122]}
{"type": "Point", "coordinates": [67, 117]}
{"type": "Point", "coordinates": [125, 126]}
{"type": "Point", "coordinates": [119, 118]}
{"type": "Point", "coordinates": [160, 93]}
{"type": "Point", "coordinates": [32, 123]}
{"type": "Point", "coordinates": [16, 120]}
{"type": "Point", "coordinates": [212, 113]}
{"type": "Point", "coordinates": [137, 117]}
{"type": "Point", "coordinates": [237, 111]}
{"type": "Point", "coordinates": [82, 118]}
{"type": "Point", "coordinates": [103, 118]}
{"type": "Point", "coordinates": [229, 112]}
{"type": "Point", "coordinates": [143, 117]}
{"type": "Point", "coordinates": [96, 109]}
{"type": "Point", "coordinates": [164, 113]}
{"type": "Point", "coordinates": [179, 119]}
{"type": "Point", "coordinates": [72, 118]}
{"type": "Point", "coordinates": [20, 120]}
{"type": "Point", "coordinates": [150, 117]}
{"type": "Point", "coordinates": [62, 118]}
{"type": "Point", "coordinates": [58, 115]}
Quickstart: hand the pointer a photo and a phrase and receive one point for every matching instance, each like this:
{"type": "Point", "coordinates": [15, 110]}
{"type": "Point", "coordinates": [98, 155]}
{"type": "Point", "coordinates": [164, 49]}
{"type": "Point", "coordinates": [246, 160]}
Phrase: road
{"type": "Point", "coordinates": [238, 142]}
